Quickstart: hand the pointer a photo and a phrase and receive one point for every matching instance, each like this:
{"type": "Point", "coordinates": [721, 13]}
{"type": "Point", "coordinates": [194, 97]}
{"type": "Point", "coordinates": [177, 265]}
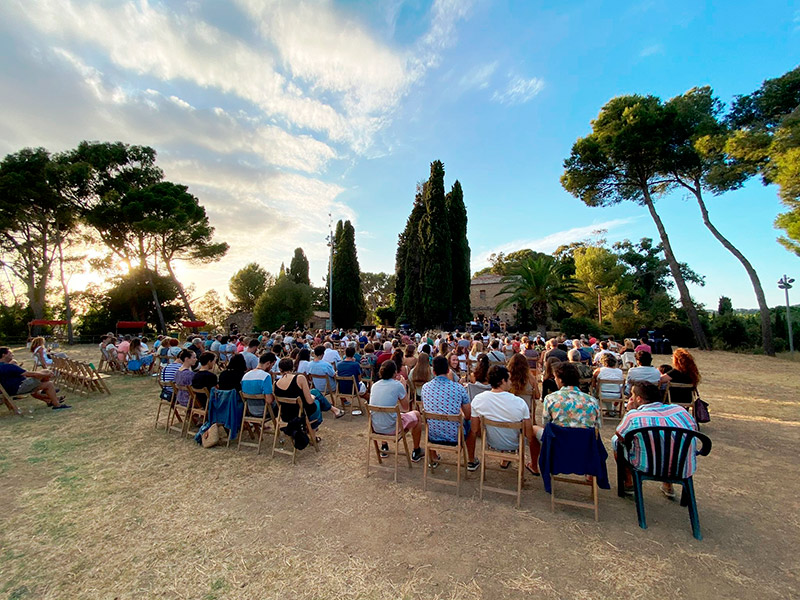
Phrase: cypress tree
{"type": "Point", "coordinates": [411, 268]}
{"type": "Point", "coordinates": [298, 268]}
{"type": "Point", "coordinates": [349, 308]}
{"type": "Point", "coordinates": [435, 253]}
{"type": "Point", "coordinates": [460, 267]}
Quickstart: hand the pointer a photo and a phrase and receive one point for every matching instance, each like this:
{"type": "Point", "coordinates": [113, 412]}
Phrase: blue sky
{"type": "Point", "coordinates": [276, 113]}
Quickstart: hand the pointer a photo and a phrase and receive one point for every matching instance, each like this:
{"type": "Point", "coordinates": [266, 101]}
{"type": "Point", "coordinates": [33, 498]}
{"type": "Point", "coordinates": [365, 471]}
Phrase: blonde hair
{"type": "Point", "coordinates": [36, 342]}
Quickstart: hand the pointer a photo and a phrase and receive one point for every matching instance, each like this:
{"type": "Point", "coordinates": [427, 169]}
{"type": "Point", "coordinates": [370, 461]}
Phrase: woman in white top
{"type": "Point", "coordinates": [608, 392]}
{"type": "Point", "coordinates": [628, 355]}
{"type": "Point", "coordinates": [477, 350]}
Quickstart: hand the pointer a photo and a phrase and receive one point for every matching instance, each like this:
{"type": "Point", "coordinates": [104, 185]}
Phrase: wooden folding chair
{"type": "Point", "coordinates": [367, 375]}
{"type": "Point", "coordinates": [577, 480]}
{"type": "Point", "coordinates": [196, 410]}
{"type": "Point", "coordinates": [169, 404]}
{"type": "Point", "coordinates": [280, 421]}
{"type": "Point", "coordinates": [179, 411]}
{"type": "Point", "coordinates": [255, 424]}
{"type": "Point", "coordinates": [682, 386]}
{"type": "Point", "coordinates": [517, 456]}
{"type": "Point", "coordinates": [612, 399]}
{"type": "Point", "coordinates": [353, 398]}
{"type": "Point", "coordinates": [98, 379]}
{"type": "Point", "coordinates": [459, 449]}
{"type": "Point", "coordinates": [391, 438]}
{"type": "Point", "coordinates": [8, 400]}
{"type": "Point", "coordinates": [323, 384]}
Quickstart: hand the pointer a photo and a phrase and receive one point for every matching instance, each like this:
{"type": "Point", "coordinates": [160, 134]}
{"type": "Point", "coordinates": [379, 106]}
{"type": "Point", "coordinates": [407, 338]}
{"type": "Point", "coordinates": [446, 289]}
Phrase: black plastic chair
{"type": "Point", "coordinates": [667, 450]}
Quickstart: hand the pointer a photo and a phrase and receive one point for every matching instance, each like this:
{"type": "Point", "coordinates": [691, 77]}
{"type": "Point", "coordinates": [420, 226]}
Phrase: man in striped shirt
{"type": "Point", "coordinates": [645, 409]}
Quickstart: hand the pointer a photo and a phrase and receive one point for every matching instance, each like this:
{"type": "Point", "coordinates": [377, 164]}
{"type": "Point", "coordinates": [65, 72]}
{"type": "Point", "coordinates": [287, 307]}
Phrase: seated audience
{"type": "Point", "coordinates": [291, 386]}
{"type": "Point", "coordinates": [645, 372]}
{"type": "Point", "coordinates": [498, 404]}
{"type": "Point", "coordinates": [259, 381]}
{"type": "Point", "coordinates": [348, 367]}
{"type": "Point", "coordinates": [608, 371]}
{"type": "Point", "coordinates": [496, 356]}
{"type": "Point", "coordinates": [628, 355]}
{"type": "Point", "coordinates": [584, 371]}
{"type": "Point", "coordinates": [568, 406]}
{"type": "Point", "coordinates": [455, 367]}
{"type": "Point", "coordinates": [249, 354]}
{"type": "Point", "coordinates": [523, 381]}
{"type": "Point", "coordinates": [684, 370]}
{"type": "Point", "coordinates": [549, 376]}
{"type": "Point", "coordinates": [184, 374]}
{"type": "Point", "coordinates": [645, 409]}
{"type": "Point", "coordinates": [323, 368]}
{"type": "Point", "coordinates": [643, 346]}
{"type": "Point", "coordinates": [205, 377]}
{"type": "Point", "coordinates": [419, 376]}
{"type": "Point", "coordinates": [388, 392]}
{"type": "Point", "coordinates": [17, 381]}
{"type": "Point", "coordinates": [302, 361]}
{"type": "Point", "coordinates": [231, 377]}
{"type": "Point", "coordinates": [443, 396]}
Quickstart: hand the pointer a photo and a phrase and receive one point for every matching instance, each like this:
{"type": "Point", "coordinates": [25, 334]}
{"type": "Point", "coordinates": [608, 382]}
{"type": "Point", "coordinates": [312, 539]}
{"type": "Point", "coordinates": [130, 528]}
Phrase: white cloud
{"type": "Point", "coordinates": [651, 50]}
{"type": "Point", "coordinates": [478, 77]}
{"type": "Point", "coordinates": [551, 241]}
{"type": "Point", "coordinates": [519, 90]}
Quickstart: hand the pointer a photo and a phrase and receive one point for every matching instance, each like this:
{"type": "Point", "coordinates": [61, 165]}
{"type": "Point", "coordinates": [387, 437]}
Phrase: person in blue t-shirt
{"type": "Point", "coordinates": [350, 367]}
{"type": "Point", "coordinates": [258, 381]}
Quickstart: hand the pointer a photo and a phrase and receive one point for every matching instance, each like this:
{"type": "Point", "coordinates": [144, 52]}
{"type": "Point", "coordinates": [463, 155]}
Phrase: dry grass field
{"type": "Point", "coordinates": [97, 504]}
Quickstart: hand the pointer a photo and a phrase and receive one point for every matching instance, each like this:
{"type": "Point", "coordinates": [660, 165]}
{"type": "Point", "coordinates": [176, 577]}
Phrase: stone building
{"type": "Point", "coordinates": [483, 298]}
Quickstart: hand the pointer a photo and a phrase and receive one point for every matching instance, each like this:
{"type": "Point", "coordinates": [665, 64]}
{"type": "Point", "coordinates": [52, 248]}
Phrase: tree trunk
{"type": "Point", "coordinates": [766, 326]}
{"type": "Point", "coordinates": [675, 269]}
{"type": "Point", "coordinates": [67, 305]}
{"type": "Point", "coordinates": [181, 291]}
{"type": "Point", "coordinates": [143, 264]}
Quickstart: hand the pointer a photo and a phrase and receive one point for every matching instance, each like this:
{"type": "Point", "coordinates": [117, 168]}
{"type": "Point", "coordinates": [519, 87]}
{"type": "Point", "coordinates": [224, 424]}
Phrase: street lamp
{"type": "Point", "coordinates": [599, 305]}
{"type": "Point", "coordinates": [330, 275]}
{"type": "Point", "coordinates": [786, 284]}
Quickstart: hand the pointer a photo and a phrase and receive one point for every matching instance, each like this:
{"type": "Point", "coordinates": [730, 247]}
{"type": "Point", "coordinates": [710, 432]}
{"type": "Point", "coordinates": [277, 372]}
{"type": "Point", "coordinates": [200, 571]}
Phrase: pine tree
{"type": "Point", "coordinates": [349, 308]}
{"type": "Point", "coordinates": [298, 268]}
{"type": "Point", "coordinates": [435, 253]}
{"type": "Point", "coordinates": [460, 267]}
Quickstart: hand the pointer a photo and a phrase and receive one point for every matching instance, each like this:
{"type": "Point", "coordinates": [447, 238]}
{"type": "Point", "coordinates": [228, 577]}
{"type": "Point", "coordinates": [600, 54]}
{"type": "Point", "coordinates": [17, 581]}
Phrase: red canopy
{"type": "Point", "coordinates": [191, 324]}
{"type": "Point", "coordinates": [45, 322]}
{"type": "Point", "coordinates": [131, 324]}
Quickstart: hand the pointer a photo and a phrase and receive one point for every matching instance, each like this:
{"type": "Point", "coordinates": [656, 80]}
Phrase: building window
{"type": "Point", "coordinates": [483, 294]}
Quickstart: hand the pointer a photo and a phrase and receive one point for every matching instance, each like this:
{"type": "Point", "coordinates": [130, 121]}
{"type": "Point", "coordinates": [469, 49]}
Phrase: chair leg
{"type": "Point", "coordinates": [520, 476]}
{"type": "Point", "coordinates": [595, 497]}
{"type": "Point", "coordinates": [396, 454]}
{"type": "Point", "coordinates": [688, 486]}
{"type": "Point", "coordinates": [552, 494]}
{"type": "Point", "coordinates": [369, 451]}
{"type": "Point", "coordinates": [426, 466]}
{"type": "Point", "coordinates": [620, 473]}
{"type": "Point", "coordinates": [637, 492]}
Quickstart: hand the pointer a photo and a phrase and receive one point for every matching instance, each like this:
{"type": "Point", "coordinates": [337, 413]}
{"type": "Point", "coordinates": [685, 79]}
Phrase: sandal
{"type": "Point", "coordinates": [505, 464]}
{"type": "Point", "coordinates": [531, 471]}
{"type": "Point", "coordinates": [339, 415]}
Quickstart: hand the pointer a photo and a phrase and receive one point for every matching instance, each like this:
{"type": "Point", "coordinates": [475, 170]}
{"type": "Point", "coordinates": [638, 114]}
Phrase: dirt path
{"type": "Point", "coordinates": [126, 512]}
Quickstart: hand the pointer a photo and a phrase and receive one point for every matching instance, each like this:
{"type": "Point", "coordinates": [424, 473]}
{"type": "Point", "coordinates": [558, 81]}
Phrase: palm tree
{"type": "Point", "coordinates": [537, 285]}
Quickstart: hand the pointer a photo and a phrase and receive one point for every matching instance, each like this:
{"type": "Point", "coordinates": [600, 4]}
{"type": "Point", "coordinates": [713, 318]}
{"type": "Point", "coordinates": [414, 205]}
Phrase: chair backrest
{"type": "Point", "coordinates": [325, 379]}
{"type": "Point", "coordinates": [288, 402]}
{"type": "Point", "coordinates": [167, 385]}
{"type": "Point", "coordinates": [383, 409]}
{"type": "Point", "coordinates": [606, 394]}
{"type": "Point", "coordinates": [432, 416]}
{"type": "Point", "coordinates": [689, 394]}
{"type": "Point", "coordinates": [667, 449]}
{"type": "Point", "coordinates": [514, 425]}
{"type": "Point", "coordinates": [350, 383]}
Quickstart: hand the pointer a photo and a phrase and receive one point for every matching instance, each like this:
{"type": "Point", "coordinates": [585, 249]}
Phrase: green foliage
{"type": "Point", "coordinates": [729, 332]}
{"type": "Point", "coordinates": [460, 254]}
{"type": "Point", "coordinates": [725, 306]}
{"type": "Point", "coordinates": [537, 285]}
{"type": "Point", "coordinates": [679, 333]}
{"type": "Point", "coordinates": [378, 290]}
{"type": "Point", "coordinates": [13, 320]}
{"type": "Point", "coordinates": [386, 315]}
{"type": "Point", "coordinates": [248, 284]}
{"type": "Point", "coordinates": [211, 310]}
{"type": "Point", "coordinates": [408, 286]}
{"type": "Point", "coordinates": [573, 327]}
{"type": "Point", "coordinates": [129, 298]}
{"type": "Point", "coordinates": [503, 264]}
{"type": "Point", "coordinates": [436, 275]}
{"type": "Point", "coordinates": [284, 303]}
{"type": "Point", "coordinates": [298, 268]}
{"type": "Point", "coordinates": [348, 300]}
{"type": "Point", "coordinates": [599, 267]}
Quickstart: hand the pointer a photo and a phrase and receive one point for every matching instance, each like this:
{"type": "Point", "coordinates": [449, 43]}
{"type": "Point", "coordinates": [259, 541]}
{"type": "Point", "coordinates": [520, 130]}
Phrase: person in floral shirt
{"type": "Point", "coordinates": [569, 407]}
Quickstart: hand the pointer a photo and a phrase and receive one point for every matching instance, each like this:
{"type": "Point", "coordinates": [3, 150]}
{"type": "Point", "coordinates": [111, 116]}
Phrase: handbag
{"type": "Point", "coordinates": [166, 394]}
{"type": "Point", "coordinates": [701, 411]}
{"type": "Point", "coordinates": [211, 436]}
